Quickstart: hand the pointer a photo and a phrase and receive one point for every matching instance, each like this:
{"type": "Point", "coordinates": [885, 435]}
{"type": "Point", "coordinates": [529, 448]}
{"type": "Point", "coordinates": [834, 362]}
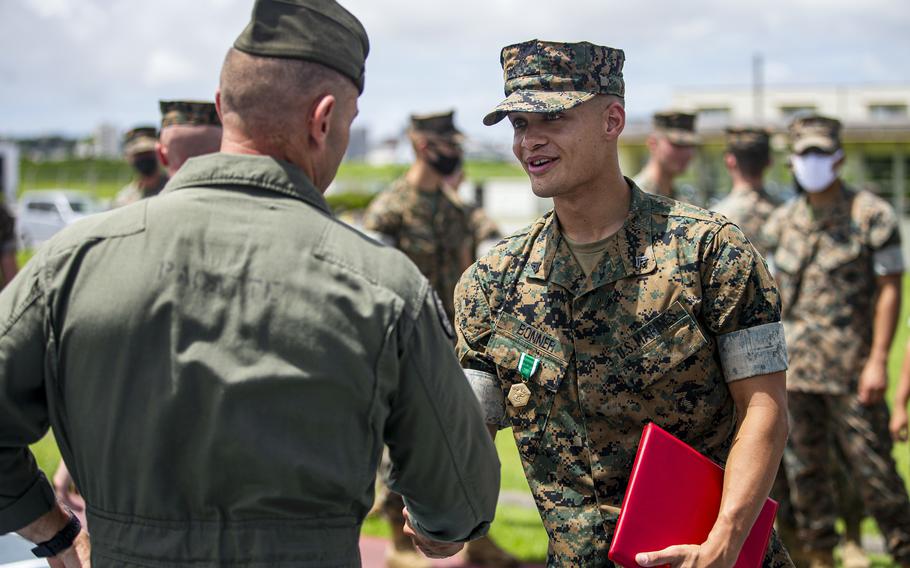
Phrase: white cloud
{"type": "Point", "coordinates": [166, 67]}
{"type": "Point", "coordinates": [51, 8]}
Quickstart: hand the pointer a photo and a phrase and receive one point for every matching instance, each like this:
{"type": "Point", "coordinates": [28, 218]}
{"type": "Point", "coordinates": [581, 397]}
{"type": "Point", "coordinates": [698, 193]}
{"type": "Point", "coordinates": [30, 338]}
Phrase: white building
{"type": "Point", "coordinates": [870, 104]}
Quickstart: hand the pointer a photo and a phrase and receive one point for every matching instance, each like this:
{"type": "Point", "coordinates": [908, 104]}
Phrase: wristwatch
{"type": "Point", "coordinates": [61, 541]}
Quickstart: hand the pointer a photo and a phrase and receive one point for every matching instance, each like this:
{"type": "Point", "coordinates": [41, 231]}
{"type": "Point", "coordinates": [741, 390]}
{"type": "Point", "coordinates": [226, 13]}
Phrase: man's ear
{"type": "Point", "coordinates": [161, 152]}
{"type": "Point", "coordinates": [218, 104]}
{"type": "Point", "coordinates": [319, 123]}
{"type": "Point", "coordinates": [730, 161]}
{"type": "Point", "coordinates": [614, 118]}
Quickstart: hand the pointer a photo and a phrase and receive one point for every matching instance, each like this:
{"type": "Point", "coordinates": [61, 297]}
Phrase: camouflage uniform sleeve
{"type": "Point", "coordinates": [884, 238]}
{"type": "Point", "coordinates": [741, 307]}
{"type": "Point", "coordinates": [25, 493]}
{"type": "Point", "coordinates": [382, 216]}
{"type": "Point", "coordinates": [769, 236]}
{"type": "Point", "coordinates": [473, 327]}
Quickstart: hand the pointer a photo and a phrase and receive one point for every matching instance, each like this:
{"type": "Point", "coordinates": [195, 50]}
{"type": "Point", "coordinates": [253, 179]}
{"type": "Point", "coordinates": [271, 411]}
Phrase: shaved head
{"type": "Point", "coordinates": [259, 93]}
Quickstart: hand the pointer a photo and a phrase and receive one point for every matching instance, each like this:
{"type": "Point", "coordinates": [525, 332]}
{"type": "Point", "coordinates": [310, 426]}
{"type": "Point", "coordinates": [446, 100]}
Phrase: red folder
{"type": "Point", "coordinates": [673, 498]}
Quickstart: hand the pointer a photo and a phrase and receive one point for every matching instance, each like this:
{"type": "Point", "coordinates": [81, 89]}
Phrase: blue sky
{"type": "Point", "coordinates": [67, 65]}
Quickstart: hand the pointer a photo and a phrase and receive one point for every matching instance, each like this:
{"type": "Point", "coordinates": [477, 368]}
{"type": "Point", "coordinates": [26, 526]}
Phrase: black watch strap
{"type": "Point", "coordinates": [61, 541]}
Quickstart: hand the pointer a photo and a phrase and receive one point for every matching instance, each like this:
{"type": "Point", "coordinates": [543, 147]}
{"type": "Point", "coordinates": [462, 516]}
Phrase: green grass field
{"type": "Point", "coordinates": [104, 178]}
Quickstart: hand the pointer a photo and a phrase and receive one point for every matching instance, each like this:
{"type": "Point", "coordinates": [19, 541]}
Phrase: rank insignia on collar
{"type": "Point", "coordinates": [527, 365]}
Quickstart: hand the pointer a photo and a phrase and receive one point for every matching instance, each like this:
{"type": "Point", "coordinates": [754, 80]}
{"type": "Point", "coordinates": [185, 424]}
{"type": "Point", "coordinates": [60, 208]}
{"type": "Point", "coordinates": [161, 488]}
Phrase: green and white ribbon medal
{"type": "Point", "coordinates": [527, 365]}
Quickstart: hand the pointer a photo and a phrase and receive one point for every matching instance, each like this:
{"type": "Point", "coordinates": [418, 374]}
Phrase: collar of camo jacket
{"type": "Point", "coordinates": [544, 262]}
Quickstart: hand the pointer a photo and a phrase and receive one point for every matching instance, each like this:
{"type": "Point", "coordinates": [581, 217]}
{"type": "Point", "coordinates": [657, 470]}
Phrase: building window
{"type": "Point", "coordinates": [880, 176]}
{"type": "Point", "coordinates": [887, 111]}
{"type": "Point", "coordinates": [789, 112]}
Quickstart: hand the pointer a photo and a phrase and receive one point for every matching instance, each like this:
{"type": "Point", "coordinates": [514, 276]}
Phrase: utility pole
{"type": "Point", "coordinates": [758, 89]}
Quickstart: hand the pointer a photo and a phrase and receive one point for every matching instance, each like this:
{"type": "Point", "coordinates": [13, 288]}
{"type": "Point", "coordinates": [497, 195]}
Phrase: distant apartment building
{"type": "Point", "coordinates": [107, 141]}
{"type": "Point", "coordinates": [876, 133]}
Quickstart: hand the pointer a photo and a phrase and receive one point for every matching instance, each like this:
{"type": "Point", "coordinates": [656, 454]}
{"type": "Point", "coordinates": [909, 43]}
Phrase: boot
{"type": "Point", "coordinates": [485, 552]}
{"type": "Point", "coordinates": [820, 558]}
{"type": "Point", "coordinates": [853, 556]}
{"type": "Point", "coordinates": [402, 553]}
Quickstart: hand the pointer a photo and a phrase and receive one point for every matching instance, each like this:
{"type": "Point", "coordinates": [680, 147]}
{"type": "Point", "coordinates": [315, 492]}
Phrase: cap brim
{"type": "Point", "coordinates": [139, 146]}
{"type": "Point", "coordinates": [537, 101]}
{"type": "Point", "coordinates": [823, 143]}
{"type": "Point", "coordinates": [682, 137]}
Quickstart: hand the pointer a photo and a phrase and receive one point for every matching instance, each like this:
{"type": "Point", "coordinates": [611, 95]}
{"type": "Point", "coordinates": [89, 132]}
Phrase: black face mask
{"type": "Point", "coordinates": [445, 165]}
{"type": "Point", "coordinates": [145, 165]}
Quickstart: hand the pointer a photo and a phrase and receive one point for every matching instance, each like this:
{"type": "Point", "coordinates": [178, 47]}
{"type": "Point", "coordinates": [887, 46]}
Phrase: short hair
{"type": "Point", "coordinates": [752, 162]}
{"type": "Point", "coordinates": [260, 91]}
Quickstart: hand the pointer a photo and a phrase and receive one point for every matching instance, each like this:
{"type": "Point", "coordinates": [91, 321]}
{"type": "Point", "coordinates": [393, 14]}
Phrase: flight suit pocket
{"type": "Point", "coordinates": [659, 346]}
{"type": "Point", "coordinates": [529, 399]}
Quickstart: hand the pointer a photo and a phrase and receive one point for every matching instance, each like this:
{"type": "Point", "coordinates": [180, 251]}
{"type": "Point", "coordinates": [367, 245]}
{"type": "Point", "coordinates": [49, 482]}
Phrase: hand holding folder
{"type": "Point", "coordinates": [673, 498]}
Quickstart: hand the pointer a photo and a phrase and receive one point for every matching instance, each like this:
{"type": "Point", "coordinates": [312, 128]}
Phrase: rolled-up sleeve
{"type": "Point", "coordinates": [24, 491]}
{"type": "Point", "coordinates": [473, 326]}
{"type": "Point", "coordinates": [444, 462]}
{"type": "Point", "coordinates": [741, 307]}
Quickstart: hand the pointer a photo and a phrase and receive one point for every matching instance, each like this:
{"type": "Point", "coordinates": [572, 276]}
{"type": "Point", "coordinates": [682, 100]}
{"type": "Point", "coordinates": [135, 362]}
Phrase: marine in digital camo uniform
{"type": "Point", "coordinates": [667, 326]}
{"type": "Point", "coordinates": [671, 147]}
{"type": "Point", "coordinates": [251, 353]}
{"type": "Point", "coordinates": [749, 205]}
{"type": "Point", "coordinates": [747, 157]}
{"type": "Point", "coordinates": [421, 215]}
{"type": "Point", "coordinates": [139, 149]}
{"type": "Point", "coordinates": [837, 253]}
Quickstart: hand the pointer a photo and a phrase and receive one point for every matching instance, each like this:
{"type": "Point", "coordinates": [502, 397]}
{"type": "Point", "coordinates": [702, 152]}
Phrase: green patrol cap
{"type": "Point", "coordinates": [321, 31]}
{"type": "Point", "coordinates": [441, 124]}
{"type": "Point", "coordinates": [140, 139]}
{"type": "Point", "coordinates": [547, 76]}
{"type": "Point", "coordinates": [747, 139]}
{"type": "Point", "coordinates": [195, 113]}
{"type": "Point", "coordinates": [815, 131]}
{"type": "Point", "coordinates": [677, 126]}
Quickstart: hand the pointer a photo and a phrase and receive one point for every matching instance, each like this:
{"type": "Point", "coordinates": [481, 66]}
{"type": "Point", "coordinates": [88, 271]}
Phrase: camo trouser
{"type": "Point", "coordinates": [861, 433]}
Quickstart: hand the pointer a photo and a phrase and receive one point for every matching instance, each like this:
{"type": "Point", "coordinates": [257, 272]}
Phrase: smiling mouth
{"type": "Point", "coordinates": [540, 165]}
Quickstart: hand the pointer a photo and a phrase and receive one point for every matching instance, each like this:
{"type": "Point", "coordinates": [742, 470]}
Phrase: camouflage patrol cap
{"type": "Point", "coordinates": [440, 124]}
{"type": "Point", "coordinates": [196, 113]}
{"type": "Point", "coordinates": [547, 76]}
{"type": "Point", "coordinates": [140, 139]}
{"type": "Point", "coordinates": [677, 126]}
{"type": "Point", "coordinates": [747, 139]}
{"type": "Point", "coordinates": [321, 31]}
{"type": "Point", "coordinates": [815, 131]}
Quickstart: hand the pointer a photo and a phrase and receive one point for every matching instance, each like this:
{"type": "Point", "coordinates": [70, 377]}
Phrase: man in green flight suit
{"type": "Point", "coordinates": [221, 365]}
{"type": "Point", "coordinates": [616, 309]}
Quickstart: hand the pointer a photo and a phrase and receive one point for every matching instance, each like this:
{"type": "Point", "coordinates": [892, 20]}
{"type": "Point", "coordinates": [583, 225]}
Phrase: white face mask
{"type": "Point", "coordinates": [815, 172]}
